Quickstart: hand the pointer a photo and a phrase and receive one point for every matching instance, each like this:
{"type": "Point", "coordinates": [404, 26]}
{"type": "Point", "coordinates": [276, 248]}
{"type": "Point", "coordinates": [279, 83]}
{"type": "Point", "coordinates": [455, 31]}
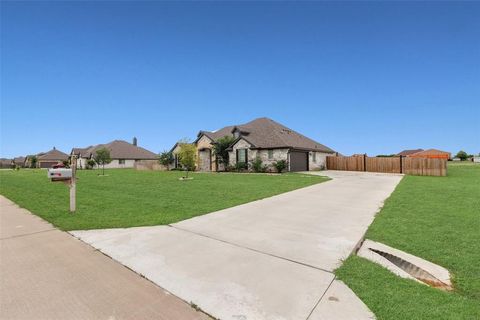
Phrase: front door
{"type": "Point", "coordinates": [204, 160]}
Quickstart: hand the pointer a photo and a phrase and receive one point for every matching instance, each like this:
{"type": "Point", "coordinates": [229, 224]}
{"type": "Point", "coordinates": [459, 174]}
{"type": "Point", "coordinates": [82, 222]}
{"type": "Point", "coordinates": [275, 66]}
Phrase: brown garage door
{"type": "Point", "coordinates": [47, 164]}
{"type": "Point", "coordinates": [298, 161]}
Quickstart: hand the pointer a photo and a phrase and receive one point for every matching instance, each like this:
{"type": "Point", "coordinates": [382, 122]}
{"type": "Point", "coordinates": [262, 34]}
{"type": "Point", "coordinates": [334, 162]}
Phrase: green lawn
{"type": "Point", "coordinates": [438, 219]}
{"type": "Point", "coordinates": [127, 198]}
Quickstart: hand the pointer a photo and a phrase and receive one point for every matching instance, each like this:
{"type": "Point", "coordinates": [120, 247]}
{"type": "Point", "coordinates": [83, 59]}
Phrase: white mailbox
{"type": "Point", "coordinates": [60, 174]}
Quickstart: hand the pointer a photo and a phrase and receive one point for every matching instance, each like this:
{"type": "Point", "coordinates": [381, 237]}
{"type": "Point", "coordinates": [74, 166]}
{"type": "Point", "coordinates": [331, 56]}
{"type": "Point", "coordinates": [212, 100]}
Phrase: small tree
{"type": "Point", "coordinates": [220, 149]}
{"type": "Point", "coordinates": [187, 156]}
{"type": "Point", "coordinates": [102, 157]}
{"type": "Point", "coordinates": [280, 165]}
{"type": "Point", "coordinates": [33, 161]}
{"type": "Point", "coordinates": [462, 155]}
{"type": "Point", "coordinates": [165, 158]}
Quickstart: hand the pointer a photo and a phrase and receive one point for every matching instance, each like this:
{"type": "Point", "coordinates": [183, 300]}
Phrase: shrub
{"type": "Point", "coordinates": [90, 164]}
{"type": "Point", "coordinates": [229, 168]}
{"type": "Point", "coordinates": [280, 165]}
{"type": "Point", "coordinates": [241, 166]}
{"type": "Point", "coordinates": [258, 166]}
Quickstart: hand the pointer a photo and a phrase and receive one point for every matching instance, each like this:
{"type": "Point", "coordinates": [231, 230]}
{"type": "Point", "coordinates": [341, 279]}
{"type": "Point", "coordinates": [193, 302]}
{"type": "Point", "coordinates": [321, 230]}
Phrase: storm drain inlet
{"type": "Point", "coordinates": [406, 265]}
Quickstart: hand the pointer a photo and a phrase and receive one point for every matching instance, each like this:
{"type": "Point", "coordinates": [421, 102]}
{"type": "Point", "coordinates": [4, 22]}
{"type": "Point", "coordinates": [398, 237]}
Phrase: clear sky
{"type": "Point", "coordinates": [371, 77]}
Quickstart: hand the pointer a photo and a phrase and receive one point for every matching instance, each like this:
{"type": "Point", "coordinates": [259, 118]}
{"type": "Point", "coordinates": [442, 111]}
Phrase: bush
{"type": "Point", "coordinates": [90, 164]}
{"type": "Point", "coordinates": [241, 166]}
{"type": "Point", "coordinates": [229, 168]}
{"type": "Point", "coordinates": [258, 166]}
{"type": "Point", "coordinates": [280, 165]}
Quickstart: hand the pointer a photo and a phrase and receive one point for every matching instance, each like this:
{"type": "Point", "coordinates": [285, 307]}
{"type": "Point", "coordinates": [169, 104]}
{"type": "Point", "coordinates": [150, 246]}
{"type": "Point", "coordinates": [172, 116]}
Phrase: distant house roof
{"type": "Point", "coordinates": [431, 153]}
{"type": "Point", "coordinates": [19, 160]}
{"type": "Point", "coordinates": [408, 152]}
{"type": "Point", "coordinates": [119, 149]}
{"type": "Point", "coordinates": [5, 163]}
{"type": "Point", "coordinates": [264, 133]}
{"type": "Point", "coordinates": [53, 155]}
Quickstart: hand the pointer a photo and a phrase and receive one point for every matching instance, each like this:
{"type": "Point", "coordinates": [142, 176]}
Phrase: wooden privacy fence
{"type": "Point", "coordinates": [412, 166]}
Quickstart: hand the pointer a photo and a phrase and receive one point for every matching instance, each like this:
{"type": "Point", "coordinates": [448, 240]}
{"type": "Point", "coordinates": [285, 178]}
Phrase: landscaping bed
{"type": "Point", "coordinates": [128, 198]}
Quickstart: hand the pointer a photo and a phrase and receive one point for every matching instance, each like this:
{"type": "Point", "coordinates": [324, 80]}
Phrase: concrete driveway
{"type": "Point", "coordinates": [268, 259]}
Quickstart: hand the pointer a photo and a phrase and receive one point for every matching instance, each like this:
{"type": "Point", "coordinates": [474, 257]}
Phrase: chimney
{"type": "Point", "coordinates": [134, 141]}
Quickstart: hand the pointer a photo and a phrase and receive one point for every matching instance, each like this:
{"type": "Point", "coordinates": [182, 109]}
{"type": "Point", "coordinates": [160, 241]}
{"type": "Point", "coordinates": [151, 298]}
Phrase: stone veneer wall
{"type": "Point", "coordinates": [206, 143]}
{"type": "Point", "coordinates": [321, 162]}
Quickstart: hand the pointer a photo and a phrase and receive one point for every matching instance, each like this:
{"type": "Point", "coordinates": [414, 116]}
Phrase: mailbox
{"type": "Point", "coordinates": [60, 174]}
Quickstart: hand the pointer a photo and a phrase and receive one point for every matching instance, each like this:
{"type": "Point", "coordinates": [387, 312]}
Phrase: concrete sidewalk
{"type": "Point", "coordinates": [47, 274]}
{"type": "Point", "coordinates": [268, 259]}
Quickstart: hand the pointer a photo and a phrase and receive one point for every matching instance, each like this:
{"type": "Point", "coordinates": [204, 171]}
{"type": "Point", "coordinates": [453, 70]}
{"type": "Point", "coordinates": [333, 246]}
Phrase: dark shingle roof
{"type": "Point", "coordinates": [119, 149]}
{"type": "Point", "coordinates": [265, 133]}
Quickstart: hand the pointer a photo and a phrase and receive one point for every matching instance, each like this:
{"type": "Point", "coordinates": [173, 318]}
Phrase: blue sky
{"type": "Point", "coordinates": [359, 77]}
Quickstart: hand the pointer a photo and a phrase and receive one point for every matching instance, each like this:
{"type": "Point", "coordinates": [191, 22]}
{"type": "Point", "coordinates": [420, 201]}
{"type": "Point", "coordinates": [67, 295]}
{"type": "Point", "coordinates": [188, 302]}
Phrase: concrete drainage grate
{"type": "Point", "coordinates": [413, 270]}
{"type": "Point", "coordinates": [406, 265]}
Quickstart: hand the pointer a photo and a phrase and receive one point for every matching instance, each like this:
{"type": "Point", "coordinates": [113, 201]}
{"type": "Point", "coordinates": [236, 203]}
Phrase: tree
{"type": "Point", "coordinates": [33, 161]}
{"type": "Point", "coordinates": [462, 155]}
{"type": "Point", "coordinates": [102, 157]}
{"type": "Point", "coordinates": [165, 158]}
{"type": "Point", "coordinates": [187, 156]}
{"type": "Point", "coordinates": [220, 149]}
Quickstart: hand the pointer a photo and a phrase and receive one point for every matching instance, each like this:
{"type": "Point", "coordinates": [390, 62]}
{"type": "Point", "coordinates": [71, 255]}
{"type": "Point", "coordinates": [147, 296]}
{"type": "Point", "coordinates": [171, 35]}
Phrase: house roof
{"type": "Point", "coordinates": [19, 160]}
{"type": "Point", "coordinates": [53, 155]}
{"type": "Point", "coordinates": [430, 152]}
{"type": "Point", "coordinates": [408, 152]}
{"type": "Point", "coordinates": [5, 162]}
{"type": "Point", "coordinates": [119, 149]}
{"type": "Point", "coordinates": [264, 133]}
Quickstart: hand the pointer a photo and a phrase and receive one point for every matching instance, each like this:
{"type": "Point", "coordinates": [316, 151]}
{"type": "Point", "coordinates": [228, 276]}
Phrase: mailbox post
{"type": "Point", "coordinates": [67, 176]}
{"type": "Point", "coordinates": [73, 184]}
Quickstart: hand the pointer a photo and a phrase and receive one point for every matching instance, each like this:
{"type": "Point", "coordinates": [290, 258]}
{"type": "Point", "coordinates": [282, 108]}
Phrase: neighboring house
{"type": "Point", "coordinates": [476, 159]}
{"type": "Point", "coordinates": [406, 153]}
{"type": "Point", "coordinates": [19, 161]}
{"type": "Point", "coordinates": [5, 163]}
{"type": "Point", "coordinates": [122, 153]}
{"type": "Point", "coordinates": [51, 158]}
{"type": "Point", "coordinates": [431, 154]}
{"type": "Point", "coordinates": [263, 138]}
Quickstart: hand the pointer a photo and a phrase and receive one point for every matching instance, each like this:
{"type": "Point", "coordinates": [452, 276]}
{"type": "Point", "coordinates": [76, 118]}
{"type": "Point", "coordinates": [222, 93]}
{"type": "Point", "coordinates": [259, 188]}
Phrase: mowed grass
{"type": "Point", "coordinates": [438, 219]}
{"type": "Point", "coordinates": [128, 198]}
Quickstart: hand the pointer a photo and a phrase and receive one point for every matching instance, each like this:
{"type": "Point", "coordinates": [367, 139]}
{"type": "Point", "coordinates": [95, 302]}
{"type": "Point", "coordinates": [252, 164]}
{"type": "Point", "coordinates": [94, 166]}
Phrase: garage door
{"type": "Point", "coordinates": [298, 161]}
{"type": "Point", "coordinates": [47, 164]}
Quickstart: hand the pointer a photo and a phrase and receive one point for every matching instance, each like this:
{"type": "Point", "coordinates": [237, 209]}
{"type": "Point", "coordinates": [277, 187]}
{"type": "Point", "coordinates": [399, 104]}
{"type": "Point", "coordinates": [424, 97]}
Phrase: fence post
{"type": "Point", "coordinates": [401, 164]}
{"type": "Point", "coordinates": [364, 162]}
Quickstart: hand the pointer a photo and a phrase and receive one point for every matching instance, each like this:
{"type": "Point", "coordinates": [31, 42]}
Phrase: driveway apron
{"type": "Point", "coordinates": [269, 259]}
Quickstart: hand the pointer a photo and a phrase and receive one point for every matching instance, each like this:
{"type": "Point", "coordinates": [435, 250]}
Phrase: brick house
{"type": "Point", "coordinates": [261, 138]}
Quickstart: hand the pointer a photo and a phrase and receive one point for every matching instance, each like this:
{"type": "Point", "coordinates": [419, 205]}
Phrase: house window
{"type": "Point", "coordinates": [270, 154]}
{"type": "Point", "coordinates": [242, 155]}
{"type": "Point", "coordinates": [236, 134]}
{"type": "Point", "coordinates": [314, 156]}
{"type": "Point", "coordinates": [121, 161]}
